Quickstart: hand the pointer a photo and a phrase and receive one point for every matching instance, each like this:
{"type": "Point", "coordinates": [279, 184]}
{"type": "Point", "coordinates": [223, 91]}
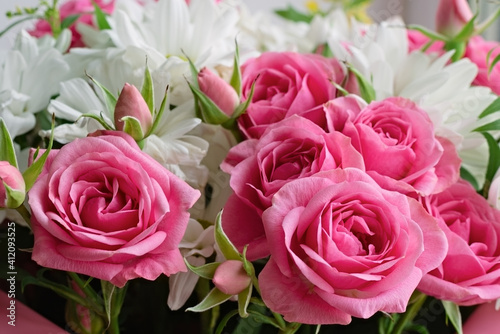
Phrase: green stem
{"type": "Point", "coordinates": [116, 305]}
{"type": "Point", "coordinates": [410, 313]}
{"type": "Point", "coordinates": [25, 214]}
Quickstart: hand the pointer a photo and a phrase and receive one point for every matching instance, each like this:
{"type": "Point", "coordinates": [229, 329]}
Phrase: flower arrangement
{"type": "Point", "coordinates": [188, 167]}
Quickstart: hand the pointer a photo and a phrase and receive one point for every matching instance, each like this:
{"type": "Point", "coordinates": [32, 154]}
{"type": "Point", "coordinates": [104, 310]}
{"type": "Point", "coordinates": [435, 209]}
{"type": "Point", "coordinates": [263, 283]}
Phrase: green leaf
{"type": "Point", "coordinates": [427, 32]}
{"type": "Point", "coordinates": [294, 15]}
{"type": "Point", "coordinates": [459, 48]}
{"type": "Point", "coordinates": [132, 126]}
{"type": "Point", "coordinates": [366, 89]}
{"type": "Point", "coordinates": [235, 81]}
{"type": "Point", "coordinates": [224, 321]}
{"type": "Point", "coordinates": [206, 271]}
{"type": "Point", "coordinates": [494, 156]}
{"type": "Point", "coordinates": [244, 300]}
{"type": "Point", "coordinates": [226, 246]}
{"type": "Point", "coordinates": [7, 151]}
{"type": "Point", "coordinates": [15, 23]}
{"type": "Point", "coordinates": [102, 22]}
{"type": "Point", "coordinates": [31, 173]}
{"type": "Point", "coordinates": [109, 99]}
{"type": "Point", "coordinates": [241, 108]}
{"type": "Point", "coordinates": [158, 115]}
{"type": "Point", "coordinates": [493, 107]}
{"type": "Point", "coordinates": [467, 31]}
{"type": "Point", "coordinates": [15, 198]}
{"type": "Point", "coordinates": [215, 297]}
{"type": "Point", "coordinates": [69, 20]}
{"type": "Point", "coordinates": [210, 113]}
{"type": "Point", "coordinates": [493, 126]}
{"type": "Point", "coordinates": [147, 90]}
{"type": "Point", "coordinates": [453, 313]}
{"type": "Point", "coordinates": [108, 291]}
{"type": "Point", "coordinates": [466, 175]}
{"type": "Point", "coordinates": [493, 63]}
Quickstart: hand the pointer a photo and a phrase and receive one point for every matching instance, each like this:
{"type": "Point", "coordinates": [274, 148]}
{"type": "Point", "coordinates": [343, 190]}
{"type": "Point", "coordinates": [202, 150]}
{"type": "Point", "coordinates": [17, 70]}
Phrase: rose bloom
{"type": "Point", "coordinates": [477, 51]}
{"type": "Point", "coordinates": [105, 209]}
{"type": "Point", "coordinates": [343, 246]}
{"type": "Point", "coordinates": [396, 139]}
{"type": "Point", "coordinates": [84, 8]}
{"type": "Point", "coordinates": [288, 150]}
{"type": "Point", "coordinates": [287, 83]}
{"type": "Point", "coordinates": [470, 273]}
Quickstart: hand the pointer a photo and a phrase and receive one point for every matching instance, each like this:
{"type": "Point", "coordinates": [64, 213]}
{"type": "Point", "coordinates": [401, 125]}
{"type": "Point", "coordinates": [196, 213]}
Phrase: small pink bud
{"type": "Point", "coordinates": [12, 177]}
{"type": "Point", "coordinates": [218, 90]}
{"type": "Point", "coordinates": [452, 16]}
{"type": "Point", "coordinates": [131, 103]}
{"type": "Point", "coordinates": [231, 278]}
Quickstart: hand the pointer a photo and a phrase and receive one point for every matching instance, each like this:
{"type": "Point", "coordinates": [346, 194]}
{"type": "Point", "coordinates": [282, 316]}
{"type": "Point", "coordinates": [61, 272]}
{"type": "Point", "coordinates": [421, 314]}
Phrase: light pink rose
{"type": "Point", "coordinates": [287, 83]}
{"type": "Point", "coordinates": [396, 139]}
{"type": "Point", "coordinates": [417, 40]}
{"type": "Point", "coordinates": [11, 177]}
{"type": "Point", "coordinates": [477, 51]}
{"type": "Point", "coordinates": [288, 150]}
{"type": "Point", "coordinates": [470, 273]}
{"type": "Point", "coordinates": [74, 7]}
{"type": "Point", "coordinates": [484, 320]}
{"type": "Point", "coordinates": [104, 208]}
{"type": "Point", "coordinates": [342, 246]}
{"type": "Point", "coordinates": [218, 90]}
{"type": "Point", "coordinates": [452, 16]}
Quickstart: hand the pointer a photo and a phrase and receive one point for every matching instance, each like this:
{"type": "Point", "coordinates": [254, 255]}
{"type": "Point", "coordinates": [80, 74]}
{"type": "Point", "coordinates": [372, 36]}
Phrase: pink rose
{"type": "Point", "coordinates": [11, 179]}
{"type": "Point", "coordinates": [74, 7]}
{"type": "Point", "coordinates": [477, 51]}
{"type": "Point", "coordinates": [343, 246]}
{"type": "Point", "coordinates": [484, 320]}
{"type": "Point", "coordinates": [470, 273]}
{"type": "Point", "coordinates": [417, 40]}
{"type": "Point", "coordinates": [104, 208]}
{"type": "Point", "coordinates": [288, 150]}
{"type": "Point", "coordinates": [452, 16]}
{"type": "Point", "coordinates": [396, 139]}
{"type": "Point", "coordinates": [287, 83]}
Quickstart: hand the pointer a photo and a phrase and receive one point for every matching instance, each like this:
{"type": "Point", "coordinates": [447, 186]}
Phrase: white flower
{"type": "Point", "coordinates": [29, 76]}
{"type": "Point", "coordinates": [196, 245]}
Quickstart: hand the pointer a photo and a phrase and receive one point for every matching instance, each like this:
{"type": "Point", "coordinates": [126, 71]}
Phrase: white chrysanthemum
{"type": "Point", "coordinates": [443, 89]}
{"type": "Point", "coordinates": [170, 144]}
{"type": "Point", "coordinates": [29, 76]}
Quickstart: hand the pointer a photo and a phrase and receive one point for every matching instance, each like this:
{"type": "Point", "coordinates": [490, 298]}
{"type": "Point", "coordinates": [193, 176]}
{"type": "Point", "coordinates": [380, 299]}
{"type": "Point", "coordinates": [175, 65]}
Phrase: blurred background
{"type": "Point", "coordinates": [413, 11]}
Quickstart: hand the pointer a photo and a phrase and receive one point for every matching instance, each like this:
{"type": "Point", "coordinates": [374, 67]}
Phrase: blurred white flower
{"type": "Point", "coordinates": [29, 76]}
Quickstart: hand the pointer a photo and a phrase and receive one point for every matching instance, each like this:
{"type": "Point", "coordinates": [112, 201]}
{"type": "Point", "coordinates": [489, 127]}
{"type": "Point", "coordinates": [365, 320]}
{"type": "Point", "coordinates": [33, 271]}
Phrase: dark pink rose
{"type": "Point", "coordinates": [104, 208]}
{"type": "Point", "coordinates": [74, 7]}
{"type": "Point", "coordinates": [477, 51]}
{"type": "Point", "coordinates": [396, 139]}
{"type": "Point", "coordinates": [288, 150]}
{"type": "Point", "coordinates": [470, 273]}
{"type": "Point", "coordinates": [287, 83]}
{"type": "Point", "coordinates": [342, 246]}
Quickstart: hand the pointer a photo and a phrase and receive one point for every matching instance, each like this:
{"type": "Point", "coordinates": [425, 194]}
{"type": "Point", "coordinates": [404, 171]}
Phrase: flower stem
{"type": "Point", "coordinates": [25, 214]}
{"type": "Point", "coordinates": [410, 313]}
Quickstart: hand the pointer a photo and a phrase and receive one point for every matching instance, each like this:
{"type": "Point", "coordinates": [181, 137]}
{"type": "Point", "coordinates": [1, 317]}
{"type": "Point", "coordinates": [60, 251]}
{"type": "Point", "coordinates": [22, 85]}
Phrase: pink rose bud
{"type": "Point", "coordinates": [12, 178]}
{"type": "Point", "coordinates": [452, 16]}
{"type": "Point", "coordinates": [131, 104]}
{"type": "Point", "coordinates": [231, 278]}
{"type": "Point", "coordinates": [218, 90]}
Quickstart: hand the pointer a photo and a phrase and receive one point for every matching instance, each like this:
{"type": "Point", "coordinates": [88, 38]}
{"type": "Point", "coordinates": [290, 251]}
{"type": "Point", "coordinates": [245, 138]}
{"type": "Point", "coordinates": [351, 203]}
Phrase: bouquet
{"type": "Point", "coordinates": [189, 167]}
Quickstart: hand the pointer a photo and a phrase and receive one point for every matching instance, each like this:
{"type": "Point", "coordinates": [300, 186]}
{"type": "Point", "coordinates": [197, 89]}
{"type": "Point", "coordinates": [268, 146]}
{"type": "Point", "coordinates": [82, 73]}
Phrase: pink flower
{"type": "Point", "coordinates": [74, 7]}
{"type": "Point", "coordinates": [477, 51]}
{"type": "Point", "coordinates": [11, 177]}
{"type": "Point", "coordinates": [452, 16]}
{"type": "Point", "coordinates": [287, 83]}
{"type": "Point", "coordinates": [130, 103]}
{"type": "Point", "coordinates": [104, 208]}
{"type": "Point", "coordinates": [218, 90]}
{"type": "Point", "coordinates": [470, 273]}
{"type": "Point", "coordinates": [342, 246]}
{"type": "Point", "coordinates": [291, 149]}
{"type": "Point", "coordinates": [485, 320]}
{"type": "Point", "coordinates": [231, 278]}
{"type": "Point", "coordinates": [417, 40]}
{"type": "Point", "coordinates": [396, 139]}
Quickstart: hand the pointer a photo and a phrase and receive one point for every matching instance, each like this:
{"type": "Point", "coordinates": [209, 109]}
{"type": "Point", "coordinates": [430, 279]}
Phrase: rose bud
{"type": "Point", "coordinates": [231, 278]}
{"type": "Point", "coordinates": [218, 90]}
{"type": "Point", "coordinates": [452, 16]}
{"type": "Point", "coordinates": [12, 187]}
{"type": "Point", "coordinates": [131, 104]}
